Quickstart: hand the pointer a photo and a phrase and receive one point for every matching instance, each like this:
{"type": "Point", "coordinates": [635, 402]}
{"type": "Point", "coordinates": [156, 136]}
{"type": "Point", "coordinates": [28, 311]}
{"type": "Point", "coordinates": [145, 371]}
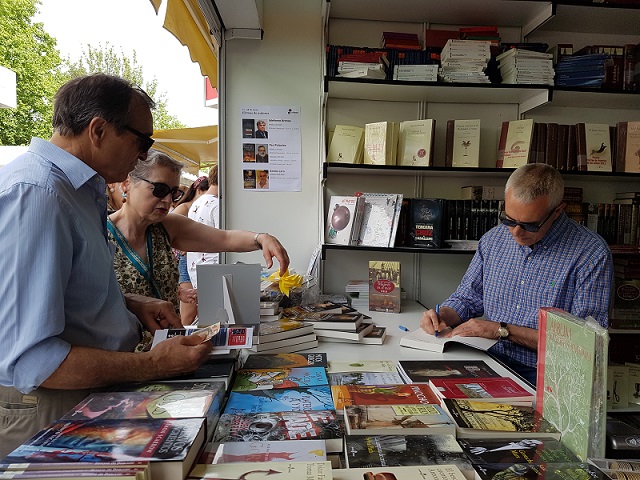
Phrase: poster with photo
{"type": "Point", "coordinates": [271, 149]}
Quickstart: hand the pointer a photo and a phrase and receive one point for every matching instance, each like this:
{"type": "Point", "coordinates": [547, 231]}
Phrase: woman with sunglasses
{"type": "Point", "coordinates": [537, 257]}
{"type": "Point", "coordinates": [144, 233]}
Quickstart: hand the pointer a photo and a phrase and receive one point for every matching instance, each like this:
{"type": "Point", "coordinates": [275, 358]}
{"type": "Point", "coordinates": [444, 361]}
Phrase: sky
{"type": "Point", "coordinates": [132, 25]}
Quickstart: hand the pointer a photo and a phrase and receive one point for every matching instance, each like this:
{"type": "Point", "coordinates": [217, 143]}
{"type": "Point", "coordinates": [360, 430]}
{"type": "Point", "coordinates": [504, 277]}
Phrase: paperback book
{"type": "Point", "coordinates": [279, 330]}
{"type": "Point", "coordinates": [213, 370]}
{"type": "Point", "coordinates": [271, 451]}
{"type": "Point", "coordinates": [365, 378]}
{"type": "Point", "coordinates": [434, 472]}
{"type": "Point", "coordinates": [480, 419]}
{"type": "Point", "coordinates": [403, 419]}
{"type": "Point", "coordinates": [462, 143]}
{"type": "Point", "coordinates": [416, 394]}
{"type": "Point", "coordinates": [347, 144]}
{"type": "Point", "coordinates": [329, 335]}
{"type": "Point", "coordinates": [344, 220]}
{"type": "Point", "coordinates": [593, 143]}
{"type": "Point", "coordinates": [273, 426]}
{"type": "Point", "coordinates": [277, 471]}
{"type": "Point", "coordinates": [376, 336]}
{"type": "Point", "coordinates": [260, 379]}
{"type": "Point", "coordinates": [286, 360]}
{"type": "Point", "coordinates": [533, 471]}
{"type": "Point", "coordinates": [379, 219]}
{"type": "Point", "coordinates": [348, 322]}
{"type": "Point", "coordinates": [421, 371]}
{"type": "Point", "coordinates": [426, 223]}
{"type": "Point", "coordinates": [300, 311]}
{"type": "Point", "coordinates": [280, 400]}
{"type": "Point", "coordinates": [514, 146]}
{"type": "Point", "coordinates": [492, 389]}
{"type": "Point", "coordinates": [525, 450]}
{"type": "Point", "coordinates": [340, 366]}
{"type": "Point", "coordinates": [284, 342]}
{"type": "Point", "coordinates": [424, 341]}
{"type": "Point", "coordinates": [416, 141]}
{"type": "Point", "coordinates": [384, 286]}
{"type": "Point", "coordinates": [405, 450]}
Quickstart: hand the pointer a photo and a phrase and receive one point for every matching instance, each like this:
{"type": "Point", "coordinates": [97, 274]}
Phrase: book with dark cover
{"type": "Point", "coordinates": [280, 400]}
{"type": "Point", "coordinates": [561, 152]}
{"type": "Point", "coordinates": [259, 379]}
{"type": "Point", "coordinates": [279, 360]}
{"type": "Point", "coordinates": [171, 445]}
{"type": "Point", "coordinates": [479, 419]}
{"type": "Point", "coordinates": [421, 371]}
{"type": "Point", "coordinates": [551, 471]}
{"type": "Point", "coordinates": [404, 450]}
{"type": "Point", "coordinates": [526, 450]}
{"type": "Point", "coordinates": [427, 221]}
{"type": "Point", "coordinates": [311, 425]}
{"type": "Point", "coordinates": [344, 395]}
{"type": "Point", "coordinates": [213, 370]}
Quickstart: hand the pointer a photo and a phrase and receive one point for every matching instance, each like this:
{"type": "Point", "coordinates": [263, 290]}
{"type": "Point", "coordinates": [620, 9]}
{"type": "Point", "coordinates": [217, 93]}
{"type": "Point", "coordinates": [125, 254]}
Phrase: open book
{"type": "Point", "coordinates": [423, 341]}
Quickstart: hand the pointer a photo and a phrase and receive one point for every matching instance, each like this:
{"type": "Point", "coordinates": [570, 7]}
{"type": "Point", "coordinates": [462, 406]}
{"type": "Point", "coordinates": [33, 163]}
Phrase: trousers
{"type": "Point", "coordinates": [24, 415]}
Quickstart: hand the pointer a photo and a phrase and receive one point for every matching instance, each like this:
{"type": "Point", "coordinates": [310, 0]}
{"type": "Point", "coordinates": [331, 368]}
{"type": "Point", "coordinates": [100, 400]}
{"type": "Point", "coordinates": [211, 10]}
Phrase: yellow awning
{"type": "Point", "coordinates": [191, 146]}
{"type": "Point", "coordinates": [185, 21]}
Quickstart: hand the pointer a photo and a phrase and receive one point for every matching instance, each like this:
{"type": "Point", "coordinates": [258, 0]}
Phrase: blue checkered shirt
{"type": "Point", "coordinates": [570, 268]}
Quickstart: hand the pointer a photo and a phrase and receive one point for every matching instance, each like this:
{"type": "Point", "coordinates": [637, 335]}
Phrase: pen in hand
{"type": "Point", "coordinates": [437, 315]}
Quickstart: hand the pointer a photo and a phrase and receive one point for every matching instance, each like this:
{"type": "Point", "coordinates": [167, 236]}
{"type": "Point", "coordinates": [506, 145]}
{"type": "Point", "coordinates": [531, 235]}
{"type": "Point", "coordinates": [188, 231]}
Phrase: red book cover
{"type": "Point", "coordinates": [405, 394]}
{"type": "Point", "coordinates": [491, 389]}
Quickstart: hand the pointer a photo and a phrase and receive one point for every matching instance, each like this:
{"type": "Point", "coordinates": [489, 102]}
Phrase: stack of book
{"type": "Point", "coordinates": [526, 67]}
{"type": "Point", "coordinates": [358, 292]}
{"type": "Point", "coordinates": [582, 70]}
{"type": "Point", "coordinates": [400, 40]}
{"type": "Point", "coordinates": [465, 61]}
{"type": "Point", "coordinates": [284, 336]}
{"type": "Point", "coordinates": [362, 65]}
{"type": "Point", "coordinates": [270, 309]}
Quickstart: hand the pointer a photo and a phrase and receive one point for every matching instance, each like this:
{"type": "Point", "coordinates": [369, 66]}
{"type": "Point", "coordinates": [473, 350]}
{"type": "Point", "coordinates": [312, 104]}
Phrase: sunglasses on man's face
{"type": "Point", "coordinates": [531, 227]}
{"type": "Point", "coordinates": [161, 190]}
{"type": "Point", "coordinates": [145, 142]}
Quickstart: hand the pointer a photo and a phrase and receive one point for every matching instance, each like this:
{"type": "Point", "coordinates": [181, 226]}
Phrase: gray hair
{"type": "Point", "coordinates": [534, 180]}
{"type": "Point", "coordinates": [155, 158]}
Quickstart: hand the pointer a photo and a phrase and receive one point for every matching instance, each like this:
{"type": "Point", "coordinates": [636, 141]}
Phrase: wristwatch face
{"type": "Point", "coordinates": [503, 331]}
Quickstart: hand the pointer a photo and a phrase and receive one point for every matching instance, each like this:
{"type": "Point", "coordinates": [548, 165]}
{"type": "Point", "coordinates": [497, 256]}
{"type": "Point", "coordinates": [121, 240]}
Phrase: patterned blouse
{"type": "Point", "coordinates": [165, 268]}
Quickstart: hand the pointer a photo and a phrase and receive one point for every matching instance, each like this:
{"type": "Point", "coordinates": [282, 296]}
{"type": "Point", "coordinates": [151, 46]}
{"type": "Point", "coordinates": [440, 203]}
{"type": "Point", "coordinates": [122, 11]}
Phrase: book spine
{"type": "Point", "coordinates": [561, 152]}
{"type": "Point", "coordinates": [551, 145]}
{"type": "Point", "coordinates": [448, 153]}
{"type": "Point", "coordinates": [572, 155]}
{"type": "Point", "coordinates": [502, 144]}
{"type": "Point", "coordinates": [540, 143]}
{"type": "Point", "coordinates": [581, 147]}
{"type": "Point", "coordinates": [621, 146]}
{"type": "Point", "coordinates": [628, 67]}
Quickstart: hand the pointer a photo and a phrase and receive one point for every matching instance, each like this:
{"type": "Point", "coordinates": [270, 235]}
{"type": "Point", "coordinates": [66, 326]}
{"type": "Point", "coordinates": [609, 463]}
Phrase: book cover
{"type": "Point", "coordinates": [517, 136]}
{"type": "Point", "coordinates": [480, 419]}
{"type": "Point", "coordinates": [317, 307]}
{"type": "Point", "coordinates": [427, 221]}
{"type": "Point", "coordinates": [348, 322]}
{"type": "Point", "coordinates": [346, 144]}
{"type": "Point", "coordinates": [594, 147]}
{"type": "Point", "coordinates": [423, 341]}
{"type": "Point", "coordinates": [273, 426]}
{"type": "Point", "coordinates": [404, 419]}
{"type": "Point", "coordinates": [281, 329]}
{"type": "Point", "coordinates": [571, 386]}
{"type": "Point", "coordinates": [340, 366]}
{"type": "Point", "coordinates": [340, 220]}
{"type": "Point", "coordinates": [526, 450]}
{"type": "Point", "coordinates": [416, 394]}
{"type": "Point", "coordinates": [213, 370]}
{"type": "Point", "coordinates": [275, 471]}
{"type": "Point", "coordinates": [376, 336]}
{"type": "Point", "coordinates": [171, 445]}
{"type": "Point", "coordinates": [533, 471]}
{"type": "Point", "coordinates": [293, 377]}
{"type": "Point", "coordinates": [143, 405]}
{"type": "Point", "coordinates": [218, 388]}
{"type": "Point", "coordinates": [434, 472]}
{"type": "Point", "coordinates": [628, 151]}
{"type": "Point", "coordinates": [378, 219]}
{"type": "Point", "coordinates": [380, 143]}
{"type": "Point", "coordinates": [405, 450]}
{"type": "Point", "coordinates": [421, 371]}
{"type": "Point", "coordinates": [416, 143]}
{"type": "Point", "coordinates": [365, 378]}
{"type": "Point", "coordinates": [384, 286]}
{"type": "Point", "coordinates": [285, 360]}
{"type": "Point", "coordinates": [462, 143]}
{"type": "Point", "coordinates": [492, 389]}
{"type": "Point", "coordinates": [280, 400]}
{"type": "Point", "coordinates": [271, 451]}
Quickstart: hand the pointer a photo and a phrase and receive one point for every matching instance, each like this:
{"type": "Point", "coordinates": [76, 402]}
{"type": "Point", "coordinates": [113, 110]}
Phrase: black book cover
{"type": "Point", "coordinates": [427, 222]}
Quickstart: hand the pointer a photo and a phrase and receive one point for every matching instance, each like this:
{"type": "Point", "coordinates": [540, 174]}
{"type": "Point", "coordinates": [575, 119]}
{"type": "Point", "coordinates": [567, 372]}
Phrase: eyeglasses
{"type": "Point", "coordinates": [161, 190]}
{"type": "Point", "coordinates": [145, 142]}
{"type": "Point", "coordinates": [532, 227]}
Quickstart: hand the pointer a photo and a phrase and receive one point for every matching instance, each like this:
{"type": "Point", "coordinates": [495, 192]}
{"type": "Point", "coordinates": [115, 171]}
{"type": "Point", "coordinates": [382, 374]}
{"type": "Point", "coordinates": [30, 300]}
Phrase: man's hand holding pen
{"type": "Point", "coordinates": [433, 322]}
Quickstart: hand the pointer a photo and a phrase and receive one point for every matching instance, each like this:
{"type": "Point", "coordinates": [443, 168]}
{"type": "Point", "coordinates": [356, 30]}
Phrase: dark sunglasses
{"type": "Point", "coordinates": [145, 142]}
{"type": "Point", "coordinates": [532, 227]}
{"type": "Point", "coordinates": [161, 190]}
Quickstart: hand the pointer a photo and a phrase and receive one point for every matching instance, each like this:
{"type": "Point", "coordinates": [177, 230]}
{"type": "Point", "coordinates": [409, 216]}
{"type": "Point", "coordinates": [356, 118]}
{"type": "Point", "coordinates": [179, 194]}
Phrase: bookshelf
{"type": "Point", "coordinates": [360, 101]}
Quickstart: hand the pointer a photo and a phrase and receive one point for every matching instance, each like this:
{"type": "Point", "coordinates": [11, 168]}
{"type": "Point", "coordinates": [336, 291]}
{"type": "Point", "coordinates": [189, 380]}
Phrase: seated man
{"type": "Point", "coordinates": [537, 257]}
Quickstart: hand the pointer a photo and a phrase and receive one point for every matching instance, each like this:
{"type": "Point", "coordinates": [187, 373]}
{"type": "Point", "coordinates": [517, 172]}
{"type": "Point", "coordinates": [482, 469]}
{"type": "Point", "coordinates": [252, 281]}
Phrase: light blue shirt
{"type": "Point", "coordinates": [570, 268]}
{"type": "Point", "coordinates": [57, 286]}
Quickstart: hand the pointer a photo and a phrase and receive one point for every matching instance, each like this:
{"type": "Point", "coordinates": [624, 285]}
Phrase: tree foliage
{"type": "Point", "coordinates": [27, 49]}
{"type": "Point", "coordinates": [105, 59]}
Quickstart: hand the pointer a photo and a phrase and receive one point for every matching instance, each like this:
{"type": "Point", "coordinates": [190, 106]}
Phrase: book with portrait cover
{"type": "Point", "coordinates": [526, 450]}
{"type": "Point", "coordinates": [278, 360]}
{"type": "Point", "coordinates": [492, 389]}
{"type": "Point", "coordinates": [397, 419]}
{"type": "Point", "coordinates": [384, 286]}
{"type": "Point", "coordinates": [171, 445]}
{"type": "Point", "coordinates": [405, 450]}
{"type": "Point", "coordinates": [421, 371]}
{"type": "Point", "coordinates": [270, 451]}
{"type": "Point", "coordinates": [261, 379]}
{"type": "Point", "coordinates": [275, 471]}
{"type": "Point", "coordinates": [280, 400]}
{"type": "Point", "coordinates": [307, 425]}
{"type": "Point", "coordinates": [416, 394]}
{"type": "Point", "coordinates": [480, 419]}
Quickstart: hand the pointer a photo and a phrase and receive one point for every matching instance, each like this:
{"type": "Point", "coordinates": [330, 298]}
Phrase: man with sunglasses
{"type": "Point", "coordinates": [537, 257]}
{"type": "Point", "coordinates": [66, 326]}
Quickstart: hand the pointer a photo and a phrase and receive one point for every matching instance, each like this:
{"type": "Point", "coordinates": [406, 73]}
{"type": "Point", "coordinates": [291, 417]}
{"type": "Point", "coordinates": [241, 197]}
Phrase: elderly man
{"type": "Point", "coordinates": [66, 327]}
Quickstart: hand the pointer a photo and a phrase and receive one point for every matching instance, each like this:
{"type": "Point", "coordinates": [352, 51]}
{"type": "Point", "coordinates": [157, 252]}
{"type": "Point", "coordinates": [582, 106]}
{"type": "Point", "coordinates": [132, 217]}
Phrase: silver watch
{"type": "Point", "coordinates": [503, 331]}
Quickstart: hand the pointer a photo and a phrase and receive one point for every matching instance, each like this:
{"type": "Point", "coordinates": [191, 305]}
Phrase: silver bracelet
{"type": "Point", "coordinates": [255, 240]}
